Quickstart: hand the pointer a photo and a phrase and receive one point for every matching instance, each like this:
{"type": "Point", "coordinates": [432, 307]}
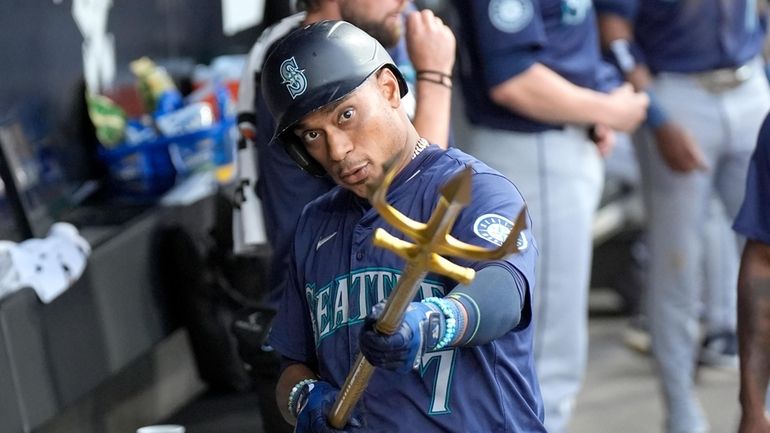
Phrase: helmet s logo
{"type": "Point", "coordinates": [293, 77]}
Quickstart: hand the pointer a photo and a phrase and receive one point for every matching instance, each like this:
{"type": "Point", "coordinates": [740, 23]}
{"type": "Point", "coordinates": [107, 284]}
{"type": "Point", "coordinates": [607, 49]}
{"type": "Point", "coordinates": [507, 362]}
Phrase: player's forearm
{"type": "Point", "coordinates": [754, 325]}
{"type": "Point", "coordinates": [431, 117]}
{"type": "Point", "coordinates": [543, 95]}
{"type": "Point", "coordinates": [489, 307]}
{"type": "Point", "coordinates": [290, 376]}
{"type": "Point", "coordinates": [612, 29]}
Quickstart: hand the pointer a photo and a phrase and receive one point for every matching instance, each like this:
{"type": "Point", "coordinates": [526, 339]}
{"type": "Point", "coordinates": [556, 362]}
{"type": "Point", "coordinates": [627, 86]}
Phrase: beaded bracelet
{"type": "Point", "coordinates": [459, 320]}
{"type": "Point", "coordinates": [294, 394]}
{"type": "Point", "coordinates": [449, 320]}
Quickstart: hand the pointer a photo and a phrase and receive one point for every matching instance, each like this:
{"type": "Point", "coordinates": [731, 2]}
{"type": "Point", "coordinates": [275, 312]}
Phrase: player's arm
{"type": "Point", "coordinates": [495, 303]}
{"type": "Point", "coordinates": [616, 34]}
{"type": "Point", "coordinates": [431, 46]}
{"type": "Point", "coordinates": [676, 146]}
{"type": "Point", "coordinates": [754, 334]}
{"type": "Point", "coordinates": [530, 88]}
{"type": "Point", "coordinates": [291, 335]}
{"type": "Point", "coordinates": [470, 315]}
{"type": "Point", "coordinates": [542, 94]}
{"type": "Point", "coordinates": [294, 373]}
{"type": "Point", "coordinates": [305, 400]}
{"type": "Point", "coordinates": [490, 306]}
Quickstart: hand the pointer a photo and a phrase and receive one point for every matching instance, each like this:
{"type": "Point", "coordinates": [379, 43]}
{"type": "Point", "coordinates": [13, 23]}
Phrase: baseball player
{"type": "Point", "coordinates": [423, 43]}
{"type": "Point", "coordinates": [530, 71]}
{"type": "Point", "coordinates": [753, 222]}
{"type": "Point", "coordinates": [699, 62]}
{"type": "Point", "coordinates": [461, 360]}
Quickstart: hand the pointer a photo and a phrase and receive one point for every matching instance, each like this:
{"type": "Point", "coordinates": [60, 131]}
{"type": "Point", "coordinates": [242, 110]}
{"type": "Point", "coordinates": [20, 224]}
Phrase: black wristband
{"type": "Point", "coordinates": [436, 77]}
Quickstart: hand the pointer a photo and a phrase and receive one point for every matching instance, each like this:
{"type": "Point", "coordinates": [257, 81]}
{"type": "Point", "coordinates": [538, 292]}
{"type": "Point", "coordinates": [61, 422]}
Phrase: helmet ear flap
{"type": "Point", "coordinates": [298, 153]}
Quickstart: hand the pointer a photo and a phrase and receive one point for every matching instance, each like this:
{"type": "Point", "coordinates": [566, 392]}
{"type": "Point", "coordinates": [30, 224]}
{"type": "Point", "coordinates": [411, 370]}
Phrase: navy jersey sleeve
{"type": "Point", "coordinates": [489, 218]}
{"type": "Point", "coordinates": [753, 220]}
{"type": "Point", "coordinates": [624, 8]}
{"type": "Point", "coordinates": [292, 331]}
{"type": "Point", "coordinates": [509, 34]}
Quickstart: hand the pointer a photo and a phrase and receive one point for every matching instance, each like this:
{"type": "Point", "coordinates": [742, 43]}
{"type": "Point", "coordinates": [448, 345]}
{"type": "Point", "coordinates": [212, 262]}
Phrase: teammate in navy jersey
{"type": "Point", "coordinates": [336, 96]}
{"type": "Point", "coordinates": [699, 62]}
{"type": "Point", "coordinates": [753, 222]}
{"type": "Point", "coordinates": [541, 113]}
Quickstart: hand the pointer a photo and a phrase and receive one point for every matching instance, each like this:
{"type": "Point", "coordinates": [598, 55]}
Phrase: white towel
{"type": "Point", "coordinates": [49, 265]}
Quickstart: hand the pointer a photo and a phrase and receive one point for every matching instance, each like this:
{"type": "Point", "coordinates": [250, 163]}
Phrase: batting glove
{"type": "Point", "coordinates": [419, 332]}
{"type": "Point", "coordinates": [313, 406]}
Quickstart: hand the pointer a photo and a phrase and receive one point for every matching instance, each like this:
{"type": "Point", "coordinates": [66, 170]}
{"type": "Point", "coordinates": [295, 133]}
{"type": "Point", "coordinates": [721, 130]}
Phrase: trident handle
{"type": "Point", "coordinates": [388, 323]}
{"type": "Point", "coordinates": [351, 392]}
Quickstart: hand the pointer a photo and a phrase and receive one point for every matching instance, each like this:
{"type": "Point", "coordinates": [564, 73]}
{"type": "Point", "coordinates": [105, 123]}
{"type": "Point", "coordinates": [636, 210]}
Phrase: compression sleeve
{"type": "Point", "coordinates": [492, 301]}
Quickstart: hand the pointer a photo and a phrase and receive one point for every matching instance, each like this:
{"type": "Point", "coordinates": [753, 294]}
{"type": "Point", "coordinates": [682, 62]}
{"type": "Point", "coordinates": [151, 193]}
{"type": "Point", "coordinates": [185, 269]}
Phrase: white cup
{"type": "Point", "coordinates": [167, 428]}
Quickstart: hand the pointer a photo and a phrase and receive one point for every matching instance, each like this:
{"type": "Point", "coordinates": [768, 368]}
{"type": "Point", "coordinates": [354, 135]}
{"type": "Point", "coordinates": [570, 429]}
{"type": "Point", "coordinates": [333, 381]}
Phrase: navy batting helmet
{"type": "Point", "coordinates": [313, 67]}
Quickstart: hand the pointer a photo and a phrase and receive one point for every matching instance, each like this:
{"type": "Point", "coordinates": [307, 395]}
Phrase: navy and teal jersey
{"type": "Point", "coordinates": [500, 39]}
{"type": "Point", "coordinates": [337, 274]}
{"type": "Point", "coordinates": [282, 186]}
{"type": "Point", "coordinates": [753, 220]}
{"type": "Point", "coordinates": [687, 36]}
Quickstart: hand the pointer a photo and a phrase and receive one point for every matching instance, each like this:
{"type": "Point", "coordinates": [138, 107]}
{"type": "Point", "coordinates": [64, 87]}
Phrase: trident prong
{"type": "Point", "coordinates": [456, 191]}
{"type": "Point", "coordinates": [431, 241]}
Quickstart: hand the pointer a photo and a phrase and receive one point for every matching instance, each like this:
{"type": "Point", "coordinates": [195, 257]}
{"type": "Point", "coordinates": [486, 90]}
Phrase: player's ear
{"type": "Point", "coordinates": [388, 85]}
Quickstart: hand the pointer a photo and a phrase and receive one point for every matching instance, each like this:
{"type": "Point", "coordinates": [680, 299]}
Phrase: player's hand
{"type": "Point", "coordinates": [419, 331]}
{"type": "Point", "coordinates": [678, 149]}
{"type": "Point", "coordinates": [429, 42]}
{"type": "Point", "coordinates": [628, 108]}
{"type": "Point", "coordinates": [604, 138]}
{"type": "Point", "coordinates": [313, 410]}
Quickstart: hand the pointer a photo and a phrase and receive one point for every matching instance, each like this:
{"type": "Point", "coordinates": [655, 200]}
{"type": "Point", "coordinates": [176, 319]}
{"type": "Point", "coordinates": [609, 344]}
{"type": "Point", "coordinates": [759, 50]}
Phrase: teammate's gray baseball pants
{"type": "Point", "coordinates": [725, 125]}
{"type": "Point", "coordinates": [720, 270]}
{"type": "Point", "coordinates": [560, 175]}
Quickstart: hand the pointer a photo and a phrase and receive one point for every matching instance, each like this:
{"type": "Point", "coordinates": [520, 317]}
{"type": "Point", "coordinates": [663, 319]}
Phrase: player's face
{"type": "Point", "coordinates": [382, 19]}
{"type": "Point", "coordinates": [354, 138]}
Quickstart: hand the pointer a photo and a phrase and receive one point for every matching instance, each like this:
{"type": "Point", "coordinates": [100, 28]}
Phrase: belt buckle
{"type": "Point", "coordinates": [720, 80]}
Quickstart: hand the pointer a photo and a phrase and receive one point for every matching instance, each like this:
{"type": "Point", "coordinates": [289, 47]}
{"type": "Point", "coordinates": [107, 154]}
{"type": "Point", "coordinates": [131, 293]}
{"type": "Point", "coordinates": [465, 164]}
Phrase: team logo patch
{"type": "Point", "coordinates": [510, 16]}
{"type": "Point", "coordinates": [293, 77]}
{"type": "Point", "coordinates": [574, 12]}
{"type": "Point", "coordinates": [495, 228]}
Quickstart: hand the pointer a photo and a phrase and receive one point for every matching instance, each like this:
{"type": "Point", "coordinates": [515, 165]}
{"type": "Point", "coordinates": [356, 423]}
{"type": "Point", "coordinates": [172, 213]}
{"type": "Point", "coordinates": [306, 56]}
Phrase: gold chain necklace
{"type": "Point", "coordinates": [419, 147]}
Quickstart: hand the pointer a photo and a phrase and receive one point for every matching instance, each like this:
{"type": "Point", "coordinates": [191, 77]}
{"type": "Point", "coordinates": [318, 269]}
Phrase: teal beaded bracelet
{"type": "Point", "coordinates": [450, 321]}
{"type": "Point", "coordinates": [294, 394]}
{"type": "Point", "coordinates": [459, 320]}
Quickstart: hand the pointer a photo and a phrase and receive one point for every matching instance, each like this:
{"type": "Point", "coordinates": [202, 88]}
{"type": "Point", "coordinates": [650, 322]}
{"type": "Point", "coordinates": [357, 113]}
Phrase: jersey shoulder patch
{"type": "Point", "coordinates": [510, 16]}
{"type": "Point", "coordinates": [495, 228]}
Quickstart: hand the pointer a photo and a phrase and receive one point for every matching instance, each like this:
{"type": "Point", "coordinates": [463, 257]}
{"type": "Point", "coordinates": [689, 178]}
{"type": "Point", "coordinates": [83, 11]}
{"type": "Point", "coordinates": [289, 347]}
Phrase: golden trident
{"type": "Point", "coordinates": [431, 241]}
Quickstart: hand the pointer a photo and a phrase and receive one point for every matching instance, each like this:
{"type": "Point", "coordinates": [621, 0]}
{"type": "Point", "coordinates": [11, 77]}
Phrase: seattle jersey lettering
{"type": "Point", "coordinates": [331, 304]}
